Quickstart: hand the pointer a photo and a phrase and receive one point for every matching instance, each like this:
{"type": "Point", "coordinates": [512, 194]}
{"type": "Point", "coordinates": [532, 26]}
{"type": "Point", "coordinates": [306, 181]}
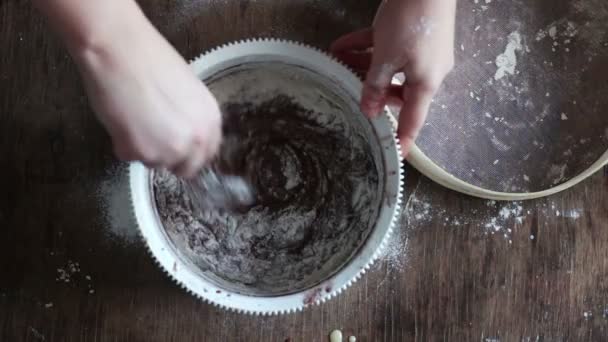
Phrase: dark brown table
{"type": "Point", "coordinates": [72, 268]}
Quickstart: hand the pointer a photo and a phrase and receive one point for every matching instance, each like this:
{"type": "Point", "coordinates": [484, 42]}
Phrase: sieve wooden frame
{"type": "Point", "coordinates": [550, 108]}
{"type": "Point", "coordinates": [419, 160]}
{"type": "Point", "coordinates": [427, 167]}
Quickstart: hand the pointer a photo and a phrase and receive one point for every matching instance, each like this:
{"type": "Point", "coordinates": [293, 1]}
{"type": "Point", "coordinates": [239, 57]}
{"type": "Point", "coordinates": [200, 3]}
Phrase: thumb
{"type": "Point", "coordinates": [376, 86]}
{"type": "Point", "coordinates": [417, 101]}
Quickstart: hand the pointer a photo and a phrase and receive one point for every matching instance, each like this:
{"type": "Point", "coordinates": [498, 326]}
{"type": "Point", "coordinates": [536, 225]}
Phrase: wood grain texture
{"type": "Point", "coordinates": [456, 280]}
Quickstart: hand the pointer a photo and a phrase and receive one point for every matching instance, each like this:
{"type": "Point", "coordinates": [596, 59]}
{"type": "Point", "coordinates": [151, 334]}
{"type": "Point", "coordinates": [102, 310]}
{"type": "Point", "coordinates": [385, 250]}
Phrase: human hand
{"type": "Point", "coordinates": [153, 106]}
{"type": "Point", "coordinates": [415, 37]}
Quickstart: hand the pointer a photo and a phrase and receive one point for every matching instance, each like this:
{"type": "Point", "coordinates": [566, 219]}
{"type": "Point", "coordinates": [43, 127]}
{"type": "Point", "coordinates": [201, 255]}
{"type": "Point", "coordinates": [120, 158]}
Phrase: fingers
{"type": "Point", "coordinates": [353, 50]}
{"type": "Point", "coordinates": [184, 162]}
{"type": "Point", "coordinates": [417, 100]}
{"type": "Point", "coordinates": [202, 150]}
{"type": "Point", "coordinates": [194, 162]}
{"type": "Point", "coordinates": [358, 40]}
{"type": "Point", "coordinates": [123, 152]}
{"type": "Point", "coordinates": [358, 61]}
{"type": "Point", "coordinates": [395, 95]}
{"type": "Point", "coordinates": [376, 87]}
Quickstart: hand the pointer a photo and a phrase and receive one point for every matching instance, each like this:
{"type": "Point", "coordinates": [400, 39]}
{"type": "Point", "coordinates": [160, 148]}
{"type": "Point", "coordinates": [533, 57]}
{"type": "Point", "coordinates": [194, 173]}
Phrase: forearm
{"type": "Point", "coordinates": [89, 25]}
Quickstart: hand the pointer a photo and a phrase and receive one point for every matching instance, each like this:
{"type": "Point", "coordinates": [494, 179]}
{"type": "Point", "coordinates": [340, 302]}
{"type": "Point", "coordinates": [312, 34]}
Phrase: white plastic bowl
{"type": "Point", "coordinates": [188, 275]}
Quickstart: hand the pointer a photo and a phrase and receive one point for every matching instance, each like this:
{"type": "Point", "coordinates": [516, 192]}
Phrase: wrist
{"type": "Point", "coordinates": [93, 27]}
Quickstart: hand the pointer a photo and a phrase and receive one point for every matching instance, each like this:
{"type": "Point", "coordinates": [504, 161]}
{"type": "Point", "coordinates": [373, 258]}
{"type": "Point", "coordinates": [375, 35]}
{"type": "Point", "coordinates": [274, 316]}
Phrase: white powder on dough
{"type": "Point", "coordinates": [507, 61]}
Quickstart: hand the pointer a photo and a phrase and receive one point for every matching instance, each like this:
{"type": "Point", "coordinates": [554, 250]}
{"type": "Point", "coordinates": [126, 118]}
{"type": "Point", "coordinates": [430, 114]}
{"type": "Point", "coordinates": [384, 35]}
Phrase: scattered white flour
{"type": "Point", "coordinates": [500, 145]}
{"type": "Point", "coordinates": [498, 218]}
{"type": "Point", "coordinates": [64, 274]}
{"type": "Point", "coordinates": [572, 213]}
{"type": "Point", "coordinates": [507, 61]}
{"type": "Point", "coordinates": [514, 209]}
{"type": "Point", "coordinates": [589, 27]}
{"type": "Point", "coordinates": [395, 252]}
{"type": "Point", "coordinates": [557, 173]}
{"type": "Point", "coordinates": [552, 32]}
{"type": "Point", "coordinates": [424, 214]}
{"type": "Point", "coordinates": [594, 26]}
{"type": "Point", "coordinates": [37, 335]}
{"type": "Point", "coordinates": [115, 205]}
{"type": "Point", "coordinates": [424, 26]}
{"type": "Point", "coordinates": [418, 211]}
{"type": "Point", "coordinates": [509, 215]}
{"type": "Point", "coordinates": [70, 273]}
{"type": "Point", "coordinates": [562, 28]}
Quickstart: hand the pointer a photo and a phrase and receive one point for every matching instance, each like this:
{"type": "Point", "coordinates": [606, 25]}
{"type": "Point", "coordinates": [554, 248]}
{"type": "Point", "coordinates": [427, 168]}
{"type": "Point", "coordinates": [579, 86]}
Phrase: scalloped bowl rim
{"type": "Point", "coordinates": [155, 238]}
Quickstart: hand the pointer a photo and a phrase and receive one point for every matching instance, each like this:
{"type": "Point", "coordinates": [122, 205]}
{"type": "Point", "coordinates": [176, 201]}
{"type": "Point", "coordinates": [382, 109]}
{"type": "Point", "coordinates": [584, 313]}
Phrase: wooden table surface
{"type": "Point", "coordinates": [72, 269]}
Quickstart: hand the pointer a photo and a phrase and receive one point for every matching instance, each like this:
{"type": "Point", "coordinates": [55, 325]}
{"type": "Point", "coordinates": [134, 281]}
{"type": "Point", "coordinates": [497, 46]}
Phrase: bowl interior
{"type": "Point", "coordinates": [317, 168]}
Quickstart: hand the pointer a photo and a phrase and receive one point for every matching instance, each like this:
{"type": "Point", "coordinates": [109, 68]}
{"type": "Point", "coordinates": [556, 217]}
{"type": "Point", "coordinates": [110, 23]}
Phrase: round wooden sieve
{"type": "Point", "coordinates": [523, 115]}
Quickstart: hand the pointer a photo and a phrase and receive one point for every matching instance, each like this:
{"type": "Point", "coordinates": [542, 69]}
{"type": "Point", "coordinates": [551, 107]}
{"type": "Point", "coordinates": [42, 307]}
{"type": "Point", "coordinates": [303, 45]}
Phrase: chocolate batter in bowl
{"type": "Point", "coordinates": [327, 183]}
{"type": "Point", "coordinates": [317, 171]}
